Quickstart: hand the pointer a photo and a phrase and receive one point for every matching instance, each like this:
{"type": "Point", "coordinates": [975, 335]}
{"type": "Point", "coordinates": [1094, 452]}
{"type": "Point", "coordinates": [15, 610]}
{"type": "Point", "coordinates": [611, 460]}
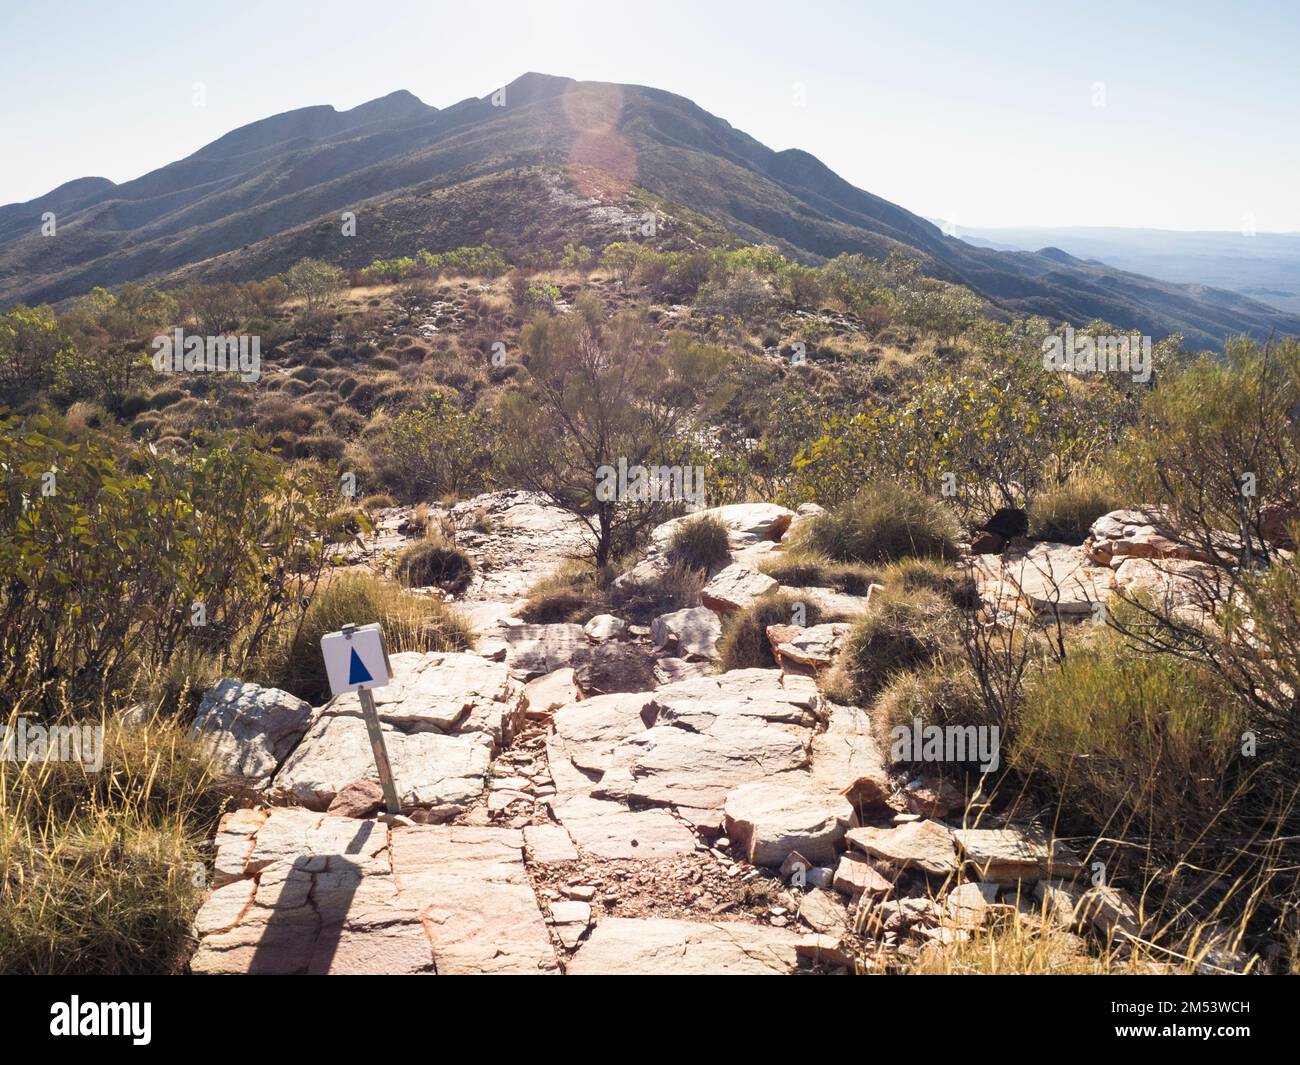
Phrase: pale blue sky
{"type": "Point", "coordinates": [982, 113]}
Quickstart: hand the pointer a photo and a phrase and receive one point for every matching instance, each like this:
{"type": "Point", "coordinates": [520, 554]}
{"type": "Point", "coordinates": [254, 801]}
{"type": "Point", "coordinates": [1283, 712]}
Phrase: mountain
{"type": "Point", "coordinates": [1264, 266]}
{"type": "Point", "coordinates": [542, 158]}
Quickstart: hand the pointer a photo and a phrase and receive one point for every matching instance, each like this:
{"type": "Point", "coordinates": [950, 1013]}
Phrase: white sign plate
{"type": "Point", "coordinates": [356, 659]}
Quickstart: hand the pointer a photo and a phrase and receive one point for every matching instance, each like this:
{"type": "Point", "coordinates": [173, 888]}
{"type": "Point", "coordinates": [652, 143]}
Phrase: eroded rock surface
{"type": "Point", "coordinates": [663, 947]}
{"type": "Point", "coordinates": [304, 892]}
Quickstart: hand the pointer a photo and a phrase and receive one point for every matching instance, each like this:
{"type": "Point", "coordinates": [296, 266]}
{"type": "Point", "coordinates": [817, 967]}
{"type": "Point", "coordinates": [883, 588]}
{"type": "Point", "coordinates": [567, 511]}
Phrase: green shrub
{"type": "Point", "coordinates": [700, 543]}
{"type": "Point", "coordinates": [378, 501]}
{"type": "Point", "coordinates": [1132, 742]}
{"type": "Point", "coordinates": [883, 522]}
{"type": "Point", "coordinates": [434, 450]}
{"type": "Point", "coordinates": [435, 561]}
{"type": "Point", "coordinates": [1065, 512]}
{"type": "Point", "coordinates": [99, 579]}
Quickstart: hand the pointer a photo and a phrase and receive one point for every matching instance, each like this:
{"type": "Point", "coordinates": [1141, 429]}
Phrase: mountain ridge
{"type": "Point", "coordinates": [269, 179]}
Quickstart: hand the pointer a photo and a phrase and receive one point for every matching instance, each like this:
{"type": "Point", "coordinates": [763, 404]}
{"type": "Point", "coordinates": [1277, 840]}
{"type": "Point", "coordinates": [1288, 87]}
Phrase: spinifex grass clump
{"type": "Point", "coordinates": [883, 522]}
{"type": "Point", "coordinates": [101, 872]}
{"type": "Point", "coordinates": [572, 594]}
{"type": "Point", "coordinates": [804, 569]}
{"type": "Point", "coordinates": [700, 543]}
{"type": "Point", "coordinates": [435, 561]}
{"type": "Point", "coordinates": [900, 631]}
{"type": "Point", "coordinates": [744, 643]}
{"type": "Point", "coordinates": [410, 623]}
{"type": "Point", "coordinates": [1064, 512]}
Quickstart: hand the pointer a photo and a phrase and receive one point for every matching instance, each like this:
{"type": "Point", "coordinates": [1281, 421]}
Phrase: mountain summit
{"type": "Point", "coordinates": [415, 175]}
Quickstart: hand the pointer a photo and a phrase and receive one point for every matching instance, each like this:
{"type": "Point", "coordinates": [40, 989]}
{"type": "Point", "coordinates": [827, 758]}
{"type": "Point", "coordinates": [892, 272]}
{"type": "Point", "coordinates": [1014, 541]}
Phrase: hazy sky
{"type": "Point", "coordinates": [1175, 115]}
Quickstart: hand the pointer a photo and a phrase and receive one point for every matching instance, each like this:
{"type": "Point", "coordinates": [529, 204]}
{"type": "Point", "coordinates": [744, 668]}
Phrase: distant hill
{"type": "Point", "coordinates": [1265, 266]}
{"type": "Point", "coordinates": [264, 194]}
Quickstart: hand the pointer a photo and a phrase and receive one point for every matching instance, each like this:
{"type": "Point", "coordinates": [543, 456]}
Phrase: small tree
{"type": "Point", "coordinates": [412, 296]}
{"type": "Point", "coordinates": [601, 393]}
{"type": "Point", "coordinates": [620, 259]}
{"type": "Point", "coordinates": [315, 283]}
{"type": "Point", "coordinates": [33, 346]}
{"type": "Point", "coordinates": [435, 450]}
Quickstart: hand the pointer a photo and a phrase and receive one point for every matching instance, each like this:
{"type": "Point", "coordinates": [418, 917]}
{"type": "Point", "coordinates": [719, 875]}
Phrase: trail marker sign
{"type": "Point", "coordinates": [356, 661]}
{"type": "Point", "coordinates": [356, 658]}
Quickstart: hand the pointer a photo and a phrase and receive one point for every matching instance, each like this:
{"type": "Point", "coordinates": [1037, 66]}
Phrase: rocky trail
{"type": "Point", "coordinates": [596, 799]}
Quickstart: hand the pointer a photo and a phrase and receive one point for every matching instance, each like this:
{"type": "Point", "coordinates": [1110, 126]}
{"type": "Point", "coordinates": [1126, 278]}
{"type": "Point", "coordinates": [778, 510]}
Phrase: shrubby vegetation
{"type": "Point", "coordinates": [885, 397]}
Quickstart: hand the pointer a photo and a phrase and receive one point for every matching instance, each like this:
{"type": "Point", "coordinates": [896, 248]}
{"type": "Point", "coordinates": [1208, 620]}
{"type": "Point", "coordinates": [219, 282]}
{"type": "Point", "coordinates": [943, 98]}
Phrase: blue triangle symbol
{"type": "Point", "coordinates": [357, 672]}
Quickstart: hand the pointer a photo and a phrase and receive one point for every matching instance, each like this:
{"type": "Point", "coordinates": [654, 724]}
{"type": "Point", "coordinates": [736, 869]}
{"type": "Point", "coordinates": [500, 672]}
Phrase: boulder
{"type": "Point", "coordinates": [706, 737]}
{"type": "Point", "coordinates": [855, 875]}
{"type": "Point", "coordinates": [250, 730]}
{"type": "Point", "coordinates": [847, 760]}
{"type": "Point", "coordinates": [448, 692]}
{"type": "Point", "coordinates": [828, 601]}
{"type": "Point", "coordinates": [932, 797]}
{"type": "Point", "coordinates": [361, 798]}
{"type": "Point", "coordinates": [604, 627]}
{"type": "Point", "coordinates": [817, 949]}
{"type": "Point", "coordinates": [544, 695]}
{"type": "Point", "coordinates": [547, 844]}
{"type": "Point", "coordinates": [613, 667]}
{"type": "Point", "coordinates": [746, 524]}
{"type": "Point", "coordinates": [923, 845]}
{"type": "Point", "coordinates": [611, 830]}
{"type": "Point", "coordinates": [822, 912]}
{"type": "Point", "coordinates": [968, 904]}
{"type": "Point", "coordinates": [811, 648]}
{"type": "Point", "coordinates": [766, 820]}
{"type": "Point", "coordinates": [735, 588]}
{"type": "Point", "coordinates": [430, 769]}
{"type": "Point", "coordinates": [570, 919]}
{"type": "Point", "coordinates": [1060, 579]}
{"type": "Point", "coordinates": [987, 543]}
{"type": "Point", "coordinates": [1105, 909]}
{"type": "Point", "coordinates": [794, 867]}
{"type": "Point", "coordinates": [1140, 533]}
{"type": "Point", "coordinates": [690, 633]}
{"type": "Point", "coordinates": [686, 745]}
{"type": "Point", "coordinates": [1006, 855]}
{"type": "Point", "coordinates": [671, 670]}
{"type": "Point", "coordinates": [539, 649]}
{"type": "Point", "coordinates": [1178, 586]}
{"type": "Point", "coordinates": [804, 515]}
{"type": "Point", "coordinates": [1277, 525]}
{"type": "Point", "coordinates": [1109, 910]}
